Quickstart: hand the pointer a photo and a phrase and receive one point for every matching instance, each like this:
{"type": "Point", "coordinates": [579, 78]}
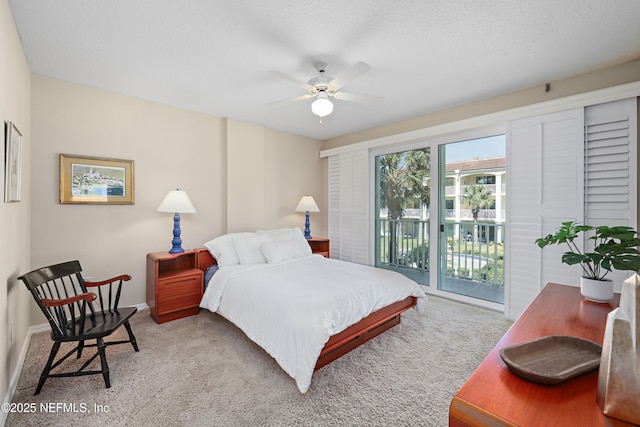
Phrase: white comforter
{"type": "Point", "coordinates": [292, 308]}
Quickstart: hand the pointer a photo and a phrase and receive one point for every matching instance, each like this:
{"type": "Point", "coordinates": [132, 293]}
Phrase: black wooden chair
{"type": "Point", "coordinates": [77, 315]}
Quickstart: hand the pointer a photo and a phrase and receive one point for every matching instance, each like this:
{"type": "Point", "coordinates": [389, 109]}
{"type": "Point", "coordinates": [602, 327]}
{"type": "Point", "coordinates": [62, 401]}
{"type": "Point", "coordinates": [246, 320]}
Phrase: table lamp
{"type": "Point", "coordinates": [307, 204]}
{"type": "Point", "coordinates": [178, 202]}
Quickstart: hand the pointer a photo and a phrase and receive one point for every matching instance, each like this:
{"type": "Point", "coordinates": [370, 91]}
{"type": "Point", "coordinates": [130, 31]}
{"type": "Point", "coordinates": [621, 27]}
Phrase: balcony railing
{"type": "Point", "coordinates": [468, 214]}
{"type": "Point", "coordinates": [474, 251]}
{"type": "Point", "coordinates": [450, 190]}
{"type": "Point", "coordinates": [404, 243]}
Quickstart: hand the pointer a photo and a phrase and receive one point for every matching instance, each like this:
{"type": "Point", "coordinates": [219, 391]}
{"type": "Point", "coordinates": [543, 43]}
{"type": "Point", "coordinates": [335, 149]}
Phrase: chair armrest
{"type": "Point", "coordinates": [87, 296]}
{"type": "Point", "coordinates": [123, 277]}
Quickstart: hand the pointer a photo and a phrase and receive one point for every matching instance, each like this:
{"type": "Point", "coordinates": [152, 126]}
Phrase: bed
{"type": "Point", "coordinates": [303, 309]}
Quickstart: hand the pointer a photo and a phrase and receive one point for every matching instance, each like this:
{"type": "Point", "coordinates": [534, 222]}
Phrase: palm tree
{"type": "Point", "coordinates": [477, 197]}
{"type": "Point", "coordinates": [403, 180]}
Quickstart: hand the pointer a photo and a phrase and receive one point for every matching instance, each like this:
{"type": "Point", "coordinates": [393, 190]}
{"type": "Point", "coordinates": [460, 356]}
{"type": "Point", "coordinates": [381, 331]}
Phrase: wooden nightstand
{"type": "Point", "coordinates": [319, 245]}
{"type": "Point", "coordinates": [174, 285]}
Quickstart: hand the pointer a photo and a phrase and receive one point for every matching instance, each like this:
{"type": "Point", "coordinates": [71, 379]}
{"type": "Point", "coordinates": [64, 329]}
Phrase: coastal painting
{"type": "Point", "coordinates": [95, 180]}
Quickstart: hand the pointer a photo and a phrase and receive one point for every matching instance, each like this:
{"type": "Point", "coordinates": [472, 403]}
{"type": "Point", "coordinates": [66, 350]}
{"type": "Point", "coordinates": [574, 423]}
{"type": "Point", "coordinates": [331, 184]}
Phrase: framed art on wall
{"type": "Point", "coordinates": [96, 180]}
{"type": "Point", "coordinates": [12, 162]}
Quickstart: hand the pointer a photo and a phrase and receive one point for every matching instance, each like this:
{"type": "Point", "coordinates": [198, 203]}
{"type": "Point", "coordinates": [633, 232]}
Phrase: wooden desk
{"type": "Point", "coordinates": [493, 396]}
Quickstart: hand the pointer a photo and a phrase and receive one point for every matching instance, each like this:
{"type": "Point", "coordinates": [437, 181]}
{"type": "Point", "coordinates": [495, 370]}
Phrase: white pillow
{"type": "Point", "coordinates": [248, 249]}
{"type": "Point", "coordinates": [221, 248]}
{"type": "Point", "coordinates": [289, 234]}
{"type": "Point", "coordinates": [276, 251]}
{"type": "Point", "coordinates": [275, 232]}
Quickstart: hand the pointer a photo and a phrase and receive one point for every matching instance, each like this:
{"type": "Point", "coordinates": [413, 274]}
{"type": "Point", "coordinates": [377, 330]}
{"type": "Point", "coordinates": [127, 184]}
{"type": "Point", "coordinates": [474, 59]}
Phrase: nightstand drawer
{"type": "Point", "coordinates": [178, 302]}
{"type": "Point", "coordinates": [180, 285]}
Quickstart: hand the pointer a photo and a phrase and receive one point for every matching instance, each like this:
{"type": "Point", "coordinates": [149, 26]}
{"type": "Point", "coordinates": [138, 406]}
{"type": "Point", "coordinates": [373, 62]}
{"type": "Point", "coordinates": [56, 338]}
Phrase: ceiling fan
{"type": "Point", "coordinates": [322, 88]}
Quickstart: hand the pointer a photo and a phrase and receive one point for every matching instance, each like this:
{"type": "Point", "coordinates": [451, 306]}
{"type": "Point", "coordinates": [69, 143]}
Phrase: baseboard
{"type": "Point", "coordinates": [13, 384]}
{"type": "Point", "coordinates": [43, 327]}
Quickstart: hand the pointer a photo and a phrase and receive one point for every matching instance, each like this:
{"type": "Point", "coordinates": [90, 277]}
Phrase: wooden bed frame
{"type": "Point", "coordinates": [352, 337]}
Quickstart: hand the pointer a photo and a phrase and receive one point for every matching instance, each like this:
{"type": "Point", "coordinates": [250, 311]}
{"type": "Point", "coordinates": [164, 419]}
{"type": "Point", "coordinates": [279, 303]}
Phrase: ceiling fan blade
{"type": "Point", "coordinates": [289, 100]}
{"type": "Point", "coordinates": [292, 80]}
{"type": "Point", "coordinates": [357, 97]}
{"type": "Point", "coordinates": [358, 69]}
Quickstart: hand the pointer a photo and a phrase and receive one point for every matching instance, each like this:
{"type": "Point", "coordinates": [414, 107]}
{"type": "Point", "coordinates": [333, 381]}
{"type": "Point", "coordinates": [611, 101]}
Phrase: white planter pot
{"type": "Point", "coordinates": [596, 290]}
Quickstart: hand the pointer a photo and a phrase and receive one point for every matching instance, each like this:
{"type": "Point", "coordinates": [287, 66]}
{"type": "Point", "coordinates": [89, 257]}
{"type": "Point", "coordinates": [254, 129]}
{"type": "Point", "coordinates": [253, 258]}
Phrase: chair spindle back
{"type": "Point", "coordinates": [60, 281]}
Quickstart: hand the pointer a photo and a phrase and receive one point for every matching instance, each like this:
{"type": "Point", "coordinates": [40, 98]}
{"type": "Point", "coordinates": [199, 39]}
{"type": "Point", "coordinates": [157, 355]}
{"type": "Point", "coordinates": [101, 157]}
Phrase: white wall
{"type": "Point", "coordinates": [15, 301]}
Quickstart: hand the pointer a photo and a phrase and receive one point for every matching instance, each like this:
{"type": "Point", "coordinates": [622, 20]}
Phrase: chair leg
{"type": "Point", "coordinates": [47, 368]}
{"type": "Point", "coordinates": [132, 338]}
{"type": "Point", "coordinates": [103, 361]}
{"type": "Point", "coordinates": [80, 347]}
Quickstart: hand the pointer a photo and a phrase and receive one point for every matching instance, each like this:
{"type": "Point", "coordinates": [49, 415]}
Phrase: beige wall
{"type": "Point", "coordinates": [171, 148]}
{"type": "Point", "coordinates": [609, 77]}
{"type": "Point", "coordinates": [15, 243]}
{"type": "Point", "coordinates": [238, 176]}
{"type": "Point", "coordinates": [272, 171]}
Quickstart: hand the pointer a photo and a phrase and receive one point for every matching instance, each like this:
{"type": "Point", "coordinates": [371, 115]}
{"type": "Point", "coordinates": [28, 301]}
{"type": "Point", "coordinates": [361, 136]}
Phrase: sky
{"type": "Point", "coordinates": [493, 146]}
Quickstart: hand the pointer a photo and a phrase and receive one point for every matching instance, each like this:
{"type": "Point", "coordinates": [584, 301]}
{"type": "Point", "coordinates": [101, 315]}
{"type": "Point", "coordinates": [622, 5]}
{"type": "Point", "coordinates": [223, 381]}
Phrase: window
{"type": "Point", "coordinates": [488, 179]}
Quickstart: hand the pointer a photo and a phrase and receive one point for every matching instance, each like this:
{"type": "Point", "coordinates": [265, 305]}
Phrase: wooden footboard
{"type": "Point", "coordinates": [361, 332]}
{"type": "Point", "coordinates": [352, 337]}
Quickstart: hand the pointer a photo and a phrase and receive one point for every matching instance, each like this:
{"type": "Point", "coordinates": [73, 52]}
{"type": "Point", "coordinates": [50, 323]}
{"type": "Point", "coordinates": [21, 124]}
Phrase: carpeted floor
{"type": "Point", "coordinates": [203, 371]}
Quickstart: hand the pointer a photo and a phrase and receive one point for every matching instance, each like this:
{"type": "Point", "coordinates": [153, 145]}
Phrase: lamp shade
{"type": "Point", "coordinates": [322, 106]}
{"type": "Point", "coordinates": [176, 201]}
{"type": "Point", "coordinates": [307, 204]}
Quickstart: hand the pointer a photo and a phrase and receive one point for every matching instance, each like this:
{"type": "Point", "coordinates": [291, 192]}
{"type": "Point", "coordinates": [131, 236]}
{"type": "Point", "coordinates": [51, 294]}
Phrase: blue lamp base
{"type": "Point", "coordinates": [307, 231]}
{"type": "Point", "coordinates": [176, 242]}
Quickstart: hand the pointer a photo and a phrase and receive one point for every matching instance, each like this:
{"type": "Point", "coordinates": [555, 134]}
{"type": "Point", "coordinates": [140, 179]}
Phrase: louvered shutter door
{"type": "Point", "coordinates": [348, 206]}
{"type": "Point", "coordinates": [334, 205]}
{"type": "Point", "coordinates": [610, 167]}
{"type": "Point", "coordinates": [544, 184]}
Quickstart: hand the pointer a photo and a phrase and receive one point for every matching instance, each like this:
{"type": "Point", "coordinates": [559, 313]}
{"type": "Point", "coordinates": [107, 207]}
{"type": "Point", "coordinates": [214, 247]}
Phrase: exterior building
{"type": "Point", "coordinates": [490, 173]}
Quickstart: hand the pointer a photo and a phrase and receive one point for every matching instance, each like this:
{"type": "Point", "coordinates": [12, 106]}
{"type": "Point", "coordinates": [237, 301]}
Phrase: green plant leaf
{"type": "Point", "coordinates": [616, 248]}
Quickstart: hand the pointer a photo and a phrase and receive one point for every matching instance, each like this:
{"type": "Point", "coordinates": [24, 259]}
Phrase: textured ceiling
{"type": "Point", "coordinates": [426, 55]}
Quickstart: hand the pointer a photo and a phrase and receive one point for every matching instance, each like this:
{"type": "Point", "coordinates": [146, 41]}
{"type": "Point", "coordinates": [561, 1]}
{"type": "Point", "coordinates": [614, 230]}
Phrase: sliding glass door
{"type": "Point", "coordinates": [469, 214]}
{"type": "Point", "coordinates": [403, 197]}
{"type": "Point", "coordinates": [471, 218]}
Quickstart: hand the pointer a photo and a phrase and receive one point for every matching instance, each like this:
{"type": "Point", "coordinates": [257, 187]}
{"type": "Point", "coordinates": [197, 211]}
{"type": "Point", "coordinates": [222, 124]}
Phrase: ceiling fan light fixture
{"type": "Point", "coordinates": [322, 106]}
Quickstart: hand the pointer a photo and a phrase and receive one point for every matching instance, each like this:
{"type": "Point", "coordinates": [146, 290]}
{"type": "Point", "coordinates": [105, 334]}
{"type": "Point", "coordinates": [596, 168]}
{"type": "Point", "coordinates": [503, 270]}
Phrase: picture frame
{"type": "Point", "coordinates": [12, 163]}
{"type": "Point", "coordinates": [96, 180]}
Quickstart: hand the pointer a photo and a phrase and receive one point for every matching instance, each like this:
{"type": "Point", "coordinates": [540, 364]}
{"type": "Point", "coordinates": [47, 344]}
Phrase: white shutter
{"type": "Point", "coordinates": [348, 206]}
{"type": "Point", "coordinates": [523, 216]}
{"type": "Point", "coordinates": [334, 205]}
{"type": "Point", "coordinates": [610, 167]}
{"type": "Point", "coordinates": [544, 183]}
{"type": "Point", "coordinates": [576, 165]}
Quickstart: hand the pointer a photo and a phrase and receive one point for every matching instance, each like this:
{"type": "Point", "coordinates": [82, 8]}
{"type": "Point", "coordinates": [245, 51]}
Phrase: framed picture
{"type": "Point", "coordinates": [95, 180]}
{"type": "Point", "coordinates": [12, 162]}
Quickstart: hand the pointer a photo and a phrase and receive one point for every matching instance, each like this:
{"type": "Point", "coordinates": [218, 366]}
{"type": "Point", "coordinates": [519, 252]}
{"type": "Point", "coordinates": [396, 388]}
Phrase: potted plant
{"type": "Point", "coordinates": [614, 248]}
